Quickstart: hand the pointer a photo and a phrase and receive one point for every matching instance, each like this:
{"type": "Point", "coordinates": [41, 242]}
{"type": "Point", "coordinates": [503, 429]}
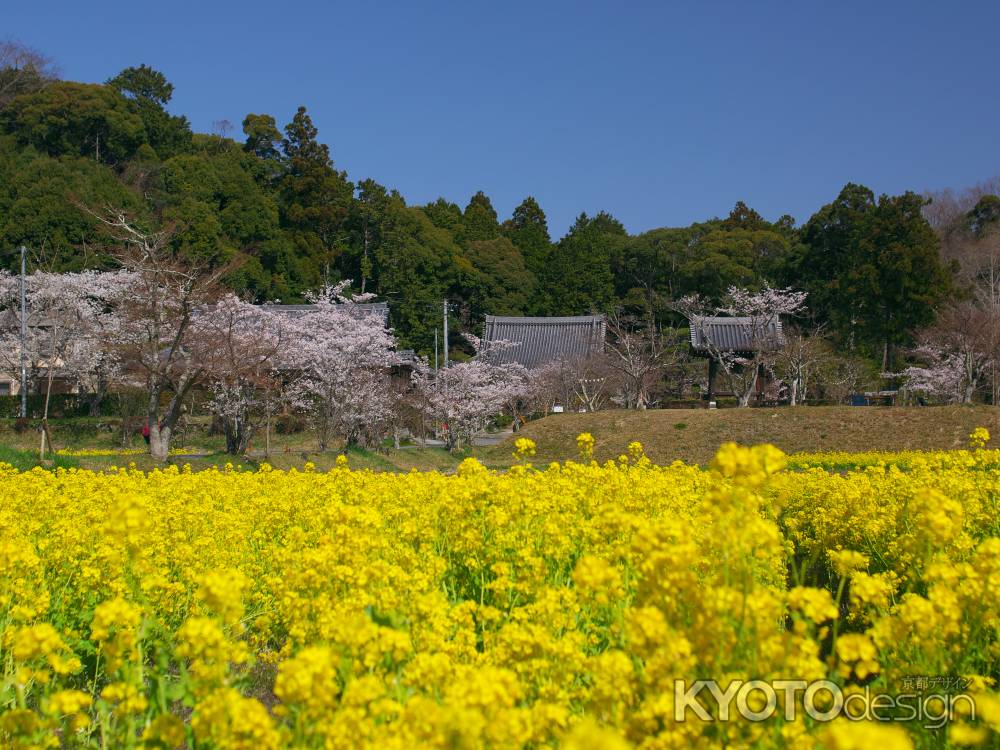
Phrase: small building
{"type": "Point", "coordinates": [534, 342]}
{"type": "Point", "coordinates": [712, 336]}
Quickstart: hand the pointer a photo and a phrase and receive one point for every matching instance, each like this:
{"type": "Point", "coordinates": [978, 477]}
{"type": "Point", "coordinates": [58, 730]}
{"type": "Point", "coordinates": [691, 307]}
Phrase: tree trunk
{"type": "Point", "coordinates": [161, 429]}
{"type": "Point", "coordinates": [968, 392]}
{"type": "Point", "coordinates": [96, 398]}
{"type": "Point", "coordinates": [353, 439]}
{"type": "Point", "coordinates": [45, 416]}
{"type": "Point", "coordinates": [751, 387]}
{"type": "Point", "coordinates": [237, 438]}
{"type": "Point", "coordinates": [159, 444]}
{"type": "Point", "coordinates": [159, 440]}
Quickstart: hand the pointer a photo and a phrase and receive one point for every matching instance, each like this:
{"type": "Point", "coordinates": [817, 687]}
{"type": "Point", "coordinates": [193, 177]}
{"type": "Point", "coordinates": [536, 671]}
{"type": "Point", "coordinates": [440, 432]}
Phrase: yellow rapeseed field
{"type": "Point", "coordinates": [551, 606]}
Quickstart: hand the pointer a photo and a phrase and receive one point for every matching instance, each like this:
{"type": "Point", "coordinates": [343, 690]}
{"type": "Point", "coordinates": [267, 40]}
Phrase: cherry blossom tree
{"type": "Point", "coordinates": [941, 376]}
{"type": "Point", "coordinates": [463, 397]}
{"type": "Point", "coordinates": [242, 368]}
{"type": "Point", "coordinates": [957, 356]}
{"type": "Point", "coordinates": [68, 315]}
{"type": "Point", "coordinates": [340, 354]}
{"type": "Point", "coordinates": [155, 309]}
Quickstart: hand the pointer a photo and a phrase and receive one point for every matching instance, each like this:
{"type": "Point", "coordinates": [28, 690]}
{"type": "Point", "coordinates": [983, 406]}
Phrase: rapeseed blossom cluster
{"type": "Point", "coordinates": [539, 607]}
{"type": "Point", "coordinates": [82, 452]}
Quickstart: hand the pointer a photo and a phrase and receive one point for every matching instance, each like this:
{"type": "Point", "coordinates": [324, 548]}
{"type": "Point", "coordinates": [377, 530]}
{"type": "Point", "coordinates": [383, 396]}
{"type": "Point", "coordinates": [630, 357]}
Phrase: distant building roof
{"type": "Point", "coordinates": [731, 334]}
{"type": "Point", "coordinates": [538, 341]}
{"type": "Point", "coordinates": [296, 311]}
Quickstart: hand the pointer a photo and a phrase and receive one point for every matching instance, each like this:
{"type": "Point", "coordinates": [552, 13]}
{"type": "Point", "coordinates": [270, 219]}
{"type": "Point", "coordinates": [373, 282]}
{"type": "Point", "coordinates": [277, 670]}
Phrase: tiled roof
{"type": "Point", "coordinates": [733, 334]}
{"type": "Point", "coordinates": [295, 311]}
{"type": "Point", "coordinates": [543, 340]}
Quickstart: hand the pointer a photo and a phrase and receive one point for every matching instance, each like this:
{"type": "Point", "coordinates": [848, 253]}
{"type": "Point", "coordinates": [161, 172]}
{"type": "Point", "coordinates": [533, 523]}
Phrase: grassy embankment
{"type": "Point", "coordinates": [694, 435]}
{"type": "Point", "coordinates": [691, 435]}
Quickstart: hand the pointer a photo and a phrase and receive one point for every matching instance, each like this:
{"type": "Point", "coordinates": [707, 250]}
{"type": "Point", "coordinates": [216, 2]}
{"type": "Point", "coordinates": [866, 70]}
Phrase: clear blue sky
{"type": "Point", "coordinates": [661, 113]}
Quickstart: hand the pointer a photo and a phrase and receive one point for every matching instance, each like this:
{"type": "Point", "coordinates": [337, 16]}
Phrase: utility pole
{"type": "Point", "coordinates": [24, 340]}
{"type": "Point", "coordinates": [435, 349]}
{"type": "Point", "coordinates": [445, 345]}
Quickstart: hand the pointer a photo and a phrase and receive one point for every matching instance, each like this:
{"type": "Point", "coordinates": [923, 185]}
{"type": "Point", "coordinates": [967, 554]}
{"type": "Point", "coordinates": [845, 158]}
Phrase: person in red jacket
{"type": "Point", "coordinates": [145, 432]}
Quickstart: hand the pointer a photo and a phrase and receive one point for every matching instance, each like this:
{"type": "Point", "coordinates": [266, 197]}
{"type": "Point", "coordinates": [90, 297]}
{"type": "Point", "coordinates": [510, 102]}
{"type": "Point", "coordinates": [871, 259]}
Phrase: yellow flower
{"type": "Point", "coordinates": [816, 604]}
{"type": "Point", "coordinates": [115, 628]}
{"type": "Point", "coordinates": [165, 730]}
{"type": "Point", "coordinates": [222, 591]}
{"type": "Point", "coordinates": [750, 466]}
{"type": "Point", "coordinates": [845, 562]}
{"type": "Point", "coordinates": [597, 580]}
{"type": "Point", "coordinates": [228, 720]}
{"type": "Point", "coordinates": [636, 450]}
{"type": "Point", "coordinates": [874, 590]}
{"type": "Point", "coordinates": [126, 696]}
{"type": "Point", "coordinates": [524, 448]}
{"type": "Point", "coordinates": [589, 735]}
{"type": "Point", "coordinates": [857, 654]}
{"type": "Point", "coordinates": [962, 734]}
{"type": "Point", "coordinates": [309, 680]}
{"type": "Point", "coordinates": [864, 735]}
{"type": "Point", "coordinates": [470, 467]}
{"type": "Point", "coordinates": [66, 702]}
{"type": "Point", "coordinates": [538, 607]}
{"type": "Point", "coordinates": [979, 437]}
{"type": "Point", "coordinates": [40, 647]}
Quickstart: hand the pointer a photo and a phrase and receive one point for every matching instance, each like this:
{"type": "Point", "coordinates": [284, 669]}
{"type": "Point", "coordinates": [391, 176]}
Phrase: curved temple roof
{"type": "Point", "coordinates": [538, 341]}
{"type": "Point", "coordinates": [731, 334]}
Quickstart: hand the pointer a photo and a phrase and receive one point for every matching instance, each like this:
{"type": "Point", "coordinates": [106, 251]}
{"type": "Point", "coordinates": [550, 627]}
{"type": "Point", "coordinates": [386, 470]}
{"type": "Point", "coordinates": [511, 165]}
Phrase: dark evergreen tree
{"type": "Point", "coordinates": [479, 222]}
{"type": "Point", "coordinates": [150, 92]}
{"type": "Point", "coordinates": [446, 215]}
{"type": "Point", "coordinates": [365, 225]}
{"type": "Point", "coordinates": [417, 265]}
{"type": "Point", "coordinates": [528, 229]}
{"type": "Point", "coordinates": [263, 139]}
{"type": "Point", "coordinates": [873, 269]}
{"type": "Point", "coordinates": [503, 284]}
{"type": "Point", "coordinates": [39, 208]}
{"type": "Point", "coordinates": [580, 275]}
{"type": "Point", "coordinates": [76, 119]}
{"type": "Point", "coordinates": [314, 199]}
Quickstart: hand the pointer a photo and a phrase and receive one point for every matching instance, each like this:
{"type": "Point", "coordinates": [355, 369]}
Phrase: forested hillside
{"type": "Point", "coordinates": [877, 272]}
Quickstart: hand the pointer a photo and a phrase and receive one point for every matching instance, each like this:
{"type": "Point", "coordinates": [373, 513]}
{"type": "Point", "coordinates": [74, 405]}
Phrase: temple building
{"type": "Point", "coordinates": [712, 337]}
{"type": "Point", "coordinates": [535, 342]}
